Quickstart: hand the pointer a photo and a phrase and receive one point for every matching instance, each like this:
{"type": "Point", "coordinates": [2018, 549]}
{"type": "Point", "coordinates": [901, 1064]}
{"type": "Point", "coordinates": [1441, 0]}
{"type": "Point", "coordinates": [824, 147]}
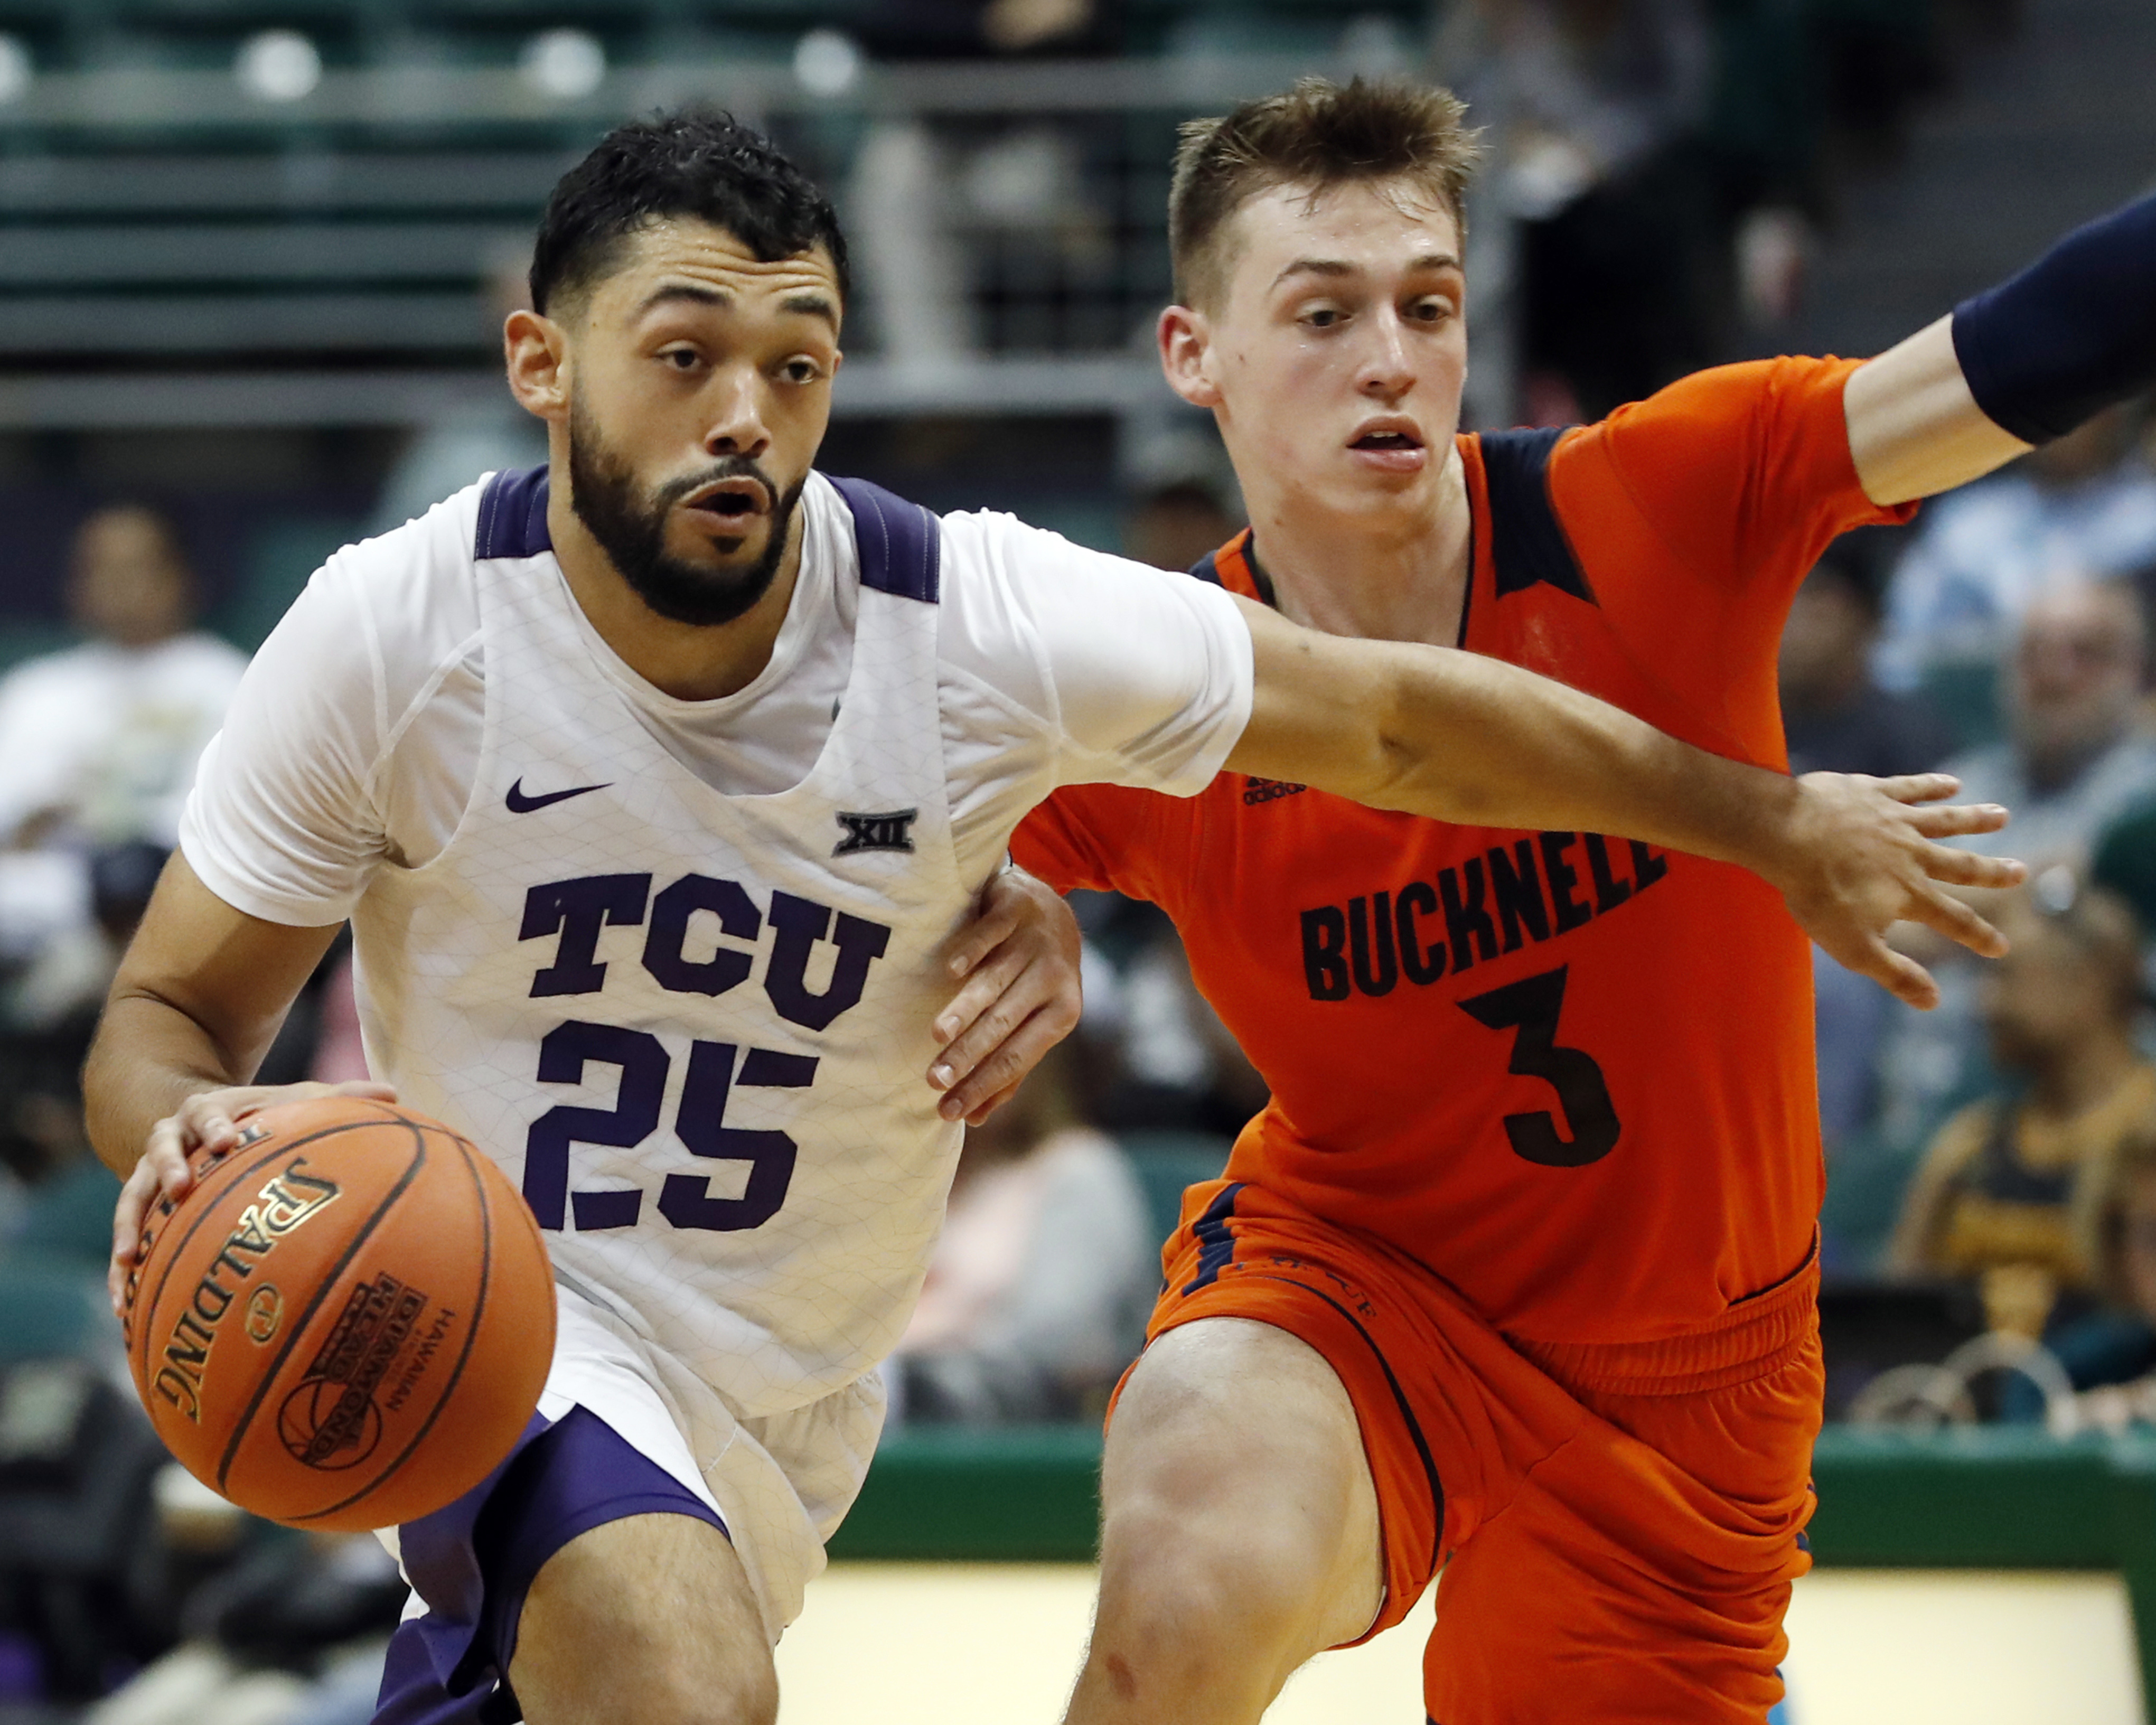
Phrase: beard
{"type": "Point", "coordinates": [630, 527]}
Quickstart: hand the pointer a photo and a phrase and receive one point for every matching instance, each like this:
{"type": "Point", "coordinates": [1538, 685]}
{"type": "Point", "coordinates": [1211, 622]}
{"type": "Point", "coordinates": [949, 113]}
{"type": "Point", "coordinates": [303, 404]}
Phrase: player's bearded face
{"type": "Point", "coordinates": [630, 522]}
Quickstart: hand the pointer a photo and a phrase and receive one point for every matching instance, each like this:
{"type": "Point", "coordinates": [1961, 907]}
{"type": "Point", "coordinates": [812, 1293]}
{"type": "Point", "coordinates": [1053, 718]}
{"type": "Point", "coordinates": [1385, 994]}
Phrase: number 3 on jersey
{"type": "Point", "coordinates": [685, 1200]}
{"type": "Point", "coordinates": [1530, 1007]}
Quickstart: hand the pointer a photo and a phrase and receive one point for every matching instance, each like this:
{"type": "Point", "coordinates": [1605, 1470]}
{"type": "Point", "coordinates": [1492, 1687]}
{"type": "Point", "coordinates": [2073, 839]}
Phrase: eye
{"type": "Point", "coordinates": [1432, 310]}
{"type": "Point", "coordinates": [1324, 318]}
{"type": "Point", "coordinates": [801, 369]}
{"type": "Point", "coordinates": [681, 359]}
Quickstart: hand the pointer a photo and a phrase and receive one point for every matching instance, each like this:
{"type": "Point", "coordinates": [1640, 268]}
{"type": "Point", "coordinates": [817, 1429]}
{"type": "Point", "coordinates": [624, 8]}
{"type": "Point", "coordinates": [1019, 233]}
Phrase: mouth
{"type": "Point", "coordinates": [1387, 439]}
{"type": "Point", "coordinates": [731, 499]}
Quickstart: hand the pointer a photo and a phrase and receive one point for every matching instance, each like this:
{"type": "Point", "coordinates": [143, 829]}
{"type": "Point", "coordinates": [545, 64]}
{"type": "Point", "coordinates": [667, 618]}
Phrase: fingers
{"type": "Point", "coordinates": [1002, 907]}
{"type": "Point", "coordinates": [1948, 916]}
{"type": "Point", "coordinates": [1900, 975]}
{"type": "Point", "coordinates": [980, 1015]}
{"type": "Point", "coordinates": [979, 1116]}
{"type": "Point", "coordinates": [1970, 868]}
{"type": "Point", "coordinates": [1915, 787]}
{"type": "Point", "coordinates": [1000, 1072]}
{"type": "Point", "coordinates": [136, 1195]}
{"type": "Point", "coordinates": [1952, 819]}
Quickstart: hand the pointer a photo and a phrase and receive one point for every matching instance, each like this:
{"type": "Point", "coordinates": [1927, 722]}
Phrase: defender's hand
{"type": "Point", "coordinates": [209, 1120]}
{"type": "Point", "coordinates": [1020, 960]}
{"type": "Point", "coordinates": [1860, 857]}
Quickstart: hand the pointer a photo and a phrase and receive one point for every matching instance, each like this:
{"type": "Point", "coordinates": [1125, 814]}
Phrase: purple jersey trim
{"type": "Point", "coordinates": [474, 1562]}
{"type": "Point", "coordinates": [901, 543]}
{"type": "Point", "coordinates": [512, 514]}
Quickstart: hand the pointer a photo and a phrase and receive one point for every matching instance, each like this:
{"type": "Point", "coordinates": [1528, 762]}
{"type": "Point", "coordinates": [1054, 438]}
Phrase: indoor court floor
{"type": "Point", "coordinates": [957, 1644]}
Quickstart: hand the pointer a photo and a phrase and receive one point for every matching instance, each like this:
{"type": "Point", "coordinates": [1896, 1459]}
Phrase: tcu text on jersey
{"type": "Point", "coordinates": [572, 912]}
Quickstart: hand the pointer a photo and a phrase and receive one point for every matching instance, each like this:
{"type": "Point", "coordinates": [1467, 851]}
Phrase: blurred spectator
{"type": "Point", "coordinates": [1835, 716]}
{"type": "Point", "coordinates": [2073, 763]}
{"type": "Point", "coordinates": [920, 194]}
{"type": "Point", "coordinates": [453, 449]}
{"type": "Point", "coordinates": [1838, 720]}
{"type": "Point", "coordinates": [1037, 1297]}
{"type": "Point", "coordinates": [293, 1634]}
{"type": "Point", "coordinates": [2010, 1190]}
{"type": "Point", "coordinates": [1167, 1065]}
{"type": "Point", "coordinates": [98, 743]}
{"type": "Point", "coordinates": [1621, 245]}
{"type": "Point", "coordinates": [1174, 525]}
{"type": "Point", "coordinates": [2083, 506]}
{"type": "Point", "coordinates": [2110, 1354]}
{"type": "Point", "coordinates": [2073, 760]}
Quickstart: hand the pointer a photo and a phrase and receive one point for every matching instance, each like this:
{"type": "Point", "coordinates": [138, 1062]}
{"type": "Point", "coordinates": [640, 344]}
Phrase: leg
{"type": "Point", "coordinates": [650, 1618]}
{"type": "Point", "coordinates": [1241, 1531]}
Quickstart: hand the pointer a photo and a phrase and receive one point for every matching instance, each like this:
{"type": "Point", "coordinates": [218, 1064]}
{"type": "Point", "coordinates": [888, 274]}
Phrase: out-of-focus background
{"type": "Point", "coordinates": [253, 259]}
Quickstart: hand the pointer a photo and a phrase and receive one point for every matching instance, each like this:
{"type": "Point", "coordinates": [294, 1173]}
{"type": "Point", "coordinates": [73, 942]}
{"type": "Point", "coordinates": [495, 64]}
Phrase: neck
{"type": "Point", "coordinates": [1394, 580]}
{"type": "Point", "coordinates": [2084, 1075]}
{"type": "Point", "coordinates": [688, 661]}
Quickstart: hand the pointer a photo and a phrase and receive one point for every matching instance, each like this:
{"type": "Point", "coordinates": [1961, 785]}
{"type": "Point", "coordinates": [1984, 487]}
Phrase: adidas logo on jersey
{"type": "Point", "coordinates": [1269, 790]}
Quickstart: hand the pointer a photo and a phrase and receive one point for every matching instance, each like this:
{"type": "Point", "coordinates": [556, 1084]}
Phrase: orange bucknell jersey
{"type": "Point", "coordinates": [1572, 1075]}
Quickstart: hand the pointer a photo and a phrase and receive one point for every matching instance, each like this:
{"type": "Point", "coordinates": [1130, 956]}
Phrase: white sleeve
{"type": "Point", "coordinates": [354, 736]}
{"type": "Point", "coordinates": [279, 824]}
{"type": "Point", "coordinates": [1134, 676]}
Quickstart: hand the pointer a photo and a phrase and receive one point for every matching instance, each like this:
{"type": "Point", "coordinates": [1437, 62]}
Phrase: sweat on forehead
{"type": "Point", "coordinates": [700, 166]}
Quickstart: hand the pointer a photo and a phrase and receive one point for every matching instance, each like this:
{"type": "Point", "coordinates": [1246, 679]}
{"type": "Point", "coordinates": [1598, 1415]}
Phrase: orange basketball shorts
{"type": "Point", "coordinates": [1618, 1525]}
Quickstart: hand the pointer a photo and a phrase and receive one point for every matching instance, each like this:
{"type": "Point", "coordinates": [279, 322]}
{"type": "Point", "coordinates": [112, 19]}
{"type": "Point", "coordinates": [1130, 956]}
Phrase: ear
{"type": "Point", "coordinates": [1186, 348]}
{"type": "Point", "coordinates": [537, 354]}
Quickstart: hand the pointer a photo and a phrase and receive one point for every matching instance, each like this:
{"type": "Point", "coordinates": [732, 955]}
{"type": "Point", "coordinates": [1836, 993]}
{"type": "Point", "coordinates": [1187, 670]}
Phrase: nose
{"type": "Point", "coordinates": [737, 426]}
{"type": "Point", "coordinates": [1385, 371]}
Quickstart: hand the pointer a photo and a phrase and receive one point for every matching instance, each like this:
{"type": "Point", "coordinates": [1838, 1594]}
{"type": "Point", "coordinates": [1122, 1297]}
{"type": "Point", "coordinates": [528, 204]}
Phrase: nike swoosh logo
{"type": "Point", "coordinates": [519, 804]}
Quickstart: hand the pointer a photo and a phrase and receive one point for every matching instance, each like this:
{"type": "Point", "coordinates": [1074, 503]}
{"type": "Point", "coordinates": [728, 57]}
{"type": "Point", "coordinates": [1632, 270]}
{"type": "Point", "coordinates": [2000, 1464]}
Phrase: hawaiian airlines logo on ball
{"type": "Point", "coordinates": [331, 1420]}
{"type": "Point", "coordinates": [288, 1200]}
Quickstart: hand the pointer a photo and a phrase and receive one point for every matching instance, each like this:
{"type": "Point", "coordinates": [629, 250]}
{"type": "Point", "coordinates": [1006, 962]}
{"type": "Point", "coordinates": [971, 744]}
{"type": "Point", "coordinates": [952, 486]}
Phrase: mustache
{"type": "Point", "coordinates": [726, 467]}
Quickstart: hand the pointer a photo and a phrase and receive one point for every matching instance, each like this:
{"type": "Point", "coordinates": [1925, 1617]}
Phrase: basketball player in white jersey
{"type": "Point", "coordinates": [654, 784]}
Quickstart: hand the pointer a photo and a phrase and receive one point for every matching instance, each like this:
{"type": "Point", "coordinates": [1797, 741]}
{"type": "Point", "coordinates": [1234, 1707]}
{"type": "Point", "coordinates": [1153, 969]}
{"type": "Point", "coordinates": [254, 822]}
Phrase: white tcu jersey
{"type": "Point", "coordinates": [691, 1026]}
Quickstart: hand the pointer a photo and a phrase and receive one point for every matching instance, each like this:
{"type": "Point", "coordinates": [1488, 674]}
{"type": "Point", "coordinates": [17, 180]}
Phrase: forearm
{"type": "Point", "coordinates": [149, 1057]}
{"type": "Point", "coordinates": [1480, 742]}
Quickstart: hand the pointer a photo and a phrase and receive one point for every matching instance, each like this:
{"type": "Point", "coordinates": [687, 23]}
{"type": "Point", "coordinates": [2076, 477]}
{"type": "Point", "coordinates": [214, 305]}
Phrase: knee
{"type": "Point", "coordinates": [1180, 1581]}
{"type": "Point", "coordinates": [682, 1696]}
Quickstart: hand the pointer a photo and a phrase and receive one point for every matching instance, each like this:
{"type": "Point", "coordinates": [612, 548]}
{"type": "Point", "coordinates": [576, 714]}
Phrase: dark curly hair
{"type": "Point", "coordinates": [699, 163]}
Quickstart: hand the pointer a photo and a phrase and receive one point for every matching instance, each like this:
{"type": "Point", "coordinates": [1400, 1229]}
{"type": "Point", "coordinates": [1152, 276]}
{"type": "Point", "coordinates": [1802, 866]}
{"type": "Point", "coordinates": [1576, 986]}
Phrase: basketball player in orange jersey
{"type": "Point", "coordinates": [1514, 1278]}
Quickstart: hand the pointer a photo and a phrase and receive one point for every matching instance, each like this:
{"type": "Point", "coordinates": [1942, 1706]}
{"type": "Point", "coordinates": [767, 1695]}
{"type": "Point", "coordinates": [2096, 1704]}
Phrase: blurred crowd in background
{"type": "Point", "coordinates": [1660, 174]}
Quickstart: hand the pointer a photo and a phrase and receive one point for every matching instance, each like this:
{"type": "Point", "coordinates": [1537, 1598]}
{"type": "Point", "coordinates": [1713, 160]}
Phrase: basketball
{"type": "Point", "coordinates": [347, 1322]}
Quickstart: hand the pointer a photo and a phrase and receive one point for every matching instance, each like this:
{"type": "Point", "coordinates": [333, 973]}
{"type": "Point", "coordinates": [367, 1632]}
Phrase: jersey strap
{"type": "Point", "coordinates": [901, 543]}
{"type": "Point", "coordinates": [512, 514]}
{"type": "Point", "coordinates": [1527, 544]}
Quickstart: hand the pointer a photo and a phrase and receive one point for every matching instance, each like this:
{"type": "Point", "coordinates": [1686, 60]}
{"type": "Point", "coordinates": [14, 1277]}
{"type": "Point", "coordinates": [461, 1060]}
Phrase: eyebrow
{"type": "Point", "coordinates": [806, 304]}
{"type": "Point", "coordinates": [1338, 267]}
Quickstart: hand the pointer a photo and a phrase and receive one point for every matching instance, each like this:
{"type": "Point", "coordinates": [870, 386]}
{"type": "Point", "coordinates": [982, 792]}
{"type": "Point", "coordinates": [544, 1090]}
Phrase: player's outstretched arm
{"type": "Point", "coordinates": [2014, 367]}
{"type": "Point", "coordinates": [197, 1000]}
{"type": "Point", "coordinates": [1462, 737]}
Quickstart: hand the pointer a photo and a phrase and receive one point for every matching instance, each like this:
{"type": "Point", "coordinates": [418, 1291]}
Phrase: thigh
{"type": "Point", "coordinates": [1235, 1438]}
{"type": "Point", "coordinates": [650, 1618]}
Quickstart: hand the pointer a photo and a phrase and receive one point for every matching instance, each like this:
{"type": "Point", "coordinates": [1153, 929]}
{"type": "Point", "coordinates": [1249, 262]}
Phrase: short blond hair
{"type": "Point", "coordinates": [1319, 135]}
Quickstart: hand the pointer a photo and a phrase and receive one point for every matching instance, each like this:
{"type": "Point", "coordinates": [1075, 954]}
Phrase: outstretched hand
{"type": "Point", "coordinates": [1862, 855]}
{"type": "Point", "coordinates": [1020, 996]}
